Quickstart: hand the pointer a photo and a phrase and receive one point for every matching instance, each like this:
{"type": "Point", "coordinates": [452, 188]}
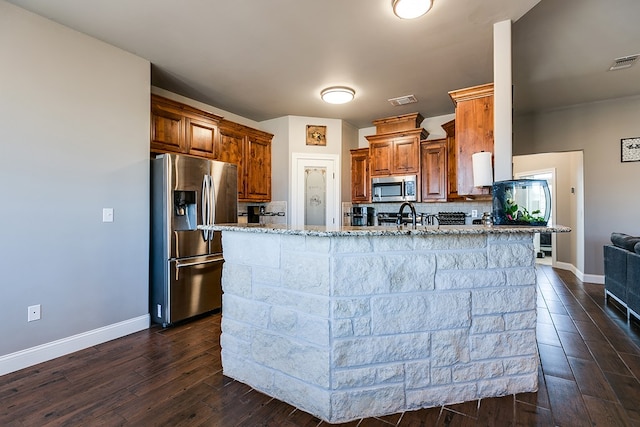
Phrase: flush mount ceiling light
{"type": "Point", "coordinates": [337, 94]}
{"type": "Point", "coordinates": [410, 9]}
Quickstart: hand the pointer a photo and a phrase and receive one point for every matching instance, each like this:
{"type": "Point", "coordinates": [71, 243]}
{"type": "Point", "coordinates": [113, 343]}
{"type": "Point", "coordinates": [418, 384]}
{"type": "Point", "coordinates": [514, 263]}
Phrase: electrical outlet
{"type": "Point", "coordinates": [474, 213]}
{"type": "Point", "coordinates": [33, 313]}
{"type": "Point", "coordinates": [107, 215]}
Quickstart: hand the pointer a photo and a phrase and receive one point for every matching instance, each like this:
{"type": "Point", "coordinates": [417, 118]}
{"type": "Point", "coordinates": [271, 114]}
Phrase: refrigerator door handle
{"type": "Point", "coordinates": [205, 206]}
{"type": "Point", "coordinates": [181, 264]}
{"type": "Point", "coordinates": [212, 205]}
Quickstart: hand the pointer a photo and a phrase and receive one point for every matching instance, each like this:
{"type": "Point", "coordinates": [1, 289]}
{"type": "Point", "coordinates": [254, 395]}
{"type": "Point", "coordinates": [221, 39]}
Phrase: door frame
{"type": "Point", "coordinates": [298, 163]}
{"type": "Point", "coordinates": [552, 171]}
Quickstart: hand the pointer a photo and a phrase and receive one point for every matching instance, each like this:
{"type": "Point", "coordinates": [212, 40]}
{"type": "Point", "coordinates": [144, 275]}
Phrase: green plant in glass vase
{"type": "Point", "coordinates": [520, 214]}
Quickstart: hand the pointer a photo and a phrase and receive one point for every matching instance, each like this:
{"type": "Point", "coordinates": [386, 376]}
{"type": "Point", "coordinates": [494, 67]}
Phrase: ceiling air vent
{"type": "Point", "coordinates": [624, 62]}
{"type": "Point", "coordinates": [403, 100]}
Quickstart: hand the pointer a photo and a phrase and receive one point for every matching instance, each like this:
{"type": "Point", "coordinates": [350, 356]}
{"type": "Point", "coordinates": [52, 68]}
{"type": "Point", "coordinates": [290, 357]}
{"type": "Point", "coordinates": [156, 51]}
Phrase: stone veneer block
{"type": "Point", "coordinates": [346, 326]}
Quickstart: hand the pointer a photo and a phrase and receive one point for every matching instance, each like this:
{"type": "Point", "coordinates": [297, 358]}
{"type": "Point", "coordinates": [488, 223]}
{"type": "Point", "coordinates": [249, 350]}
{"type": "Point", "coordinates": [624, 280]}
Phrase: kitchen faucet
{"type": "Point", "coordinates": [413, 213]}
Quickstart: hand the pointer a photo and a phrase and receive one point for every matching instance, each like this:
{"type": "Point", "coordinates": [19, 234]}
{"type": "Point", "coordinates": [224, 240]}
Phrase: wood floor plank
{"type": "Point", "coordinates": [547, 334]}
{"type": "Point", "coordinates": [420, 418]}
{"type": "Point", "coordinates": [567, 406]}
{"type": "Point", "coordinates": [605, 413]}
{"type": "Point", "coordinates": [590, 380]}
{"type": "Point", "coordinates": [632, 360]}
{"type": "Point", "coordinates": [532, 416]}
{"type": "Point", "coordinates": [554, 361]}
{"type": "Point", "coordinates": [588, 376]}
{"type": "Point", "coordinates": [564, 323]}
{"type": "Point", "coordinates": [498, 411]}
{"type": "Point", "coordinates": [627, 389]}
{"type": "Point", "coordinates": [607, 358]}
{"type": "Point", "coordinates": [539, 398]}
{"type": "Point", "coordinates": [574, 346]}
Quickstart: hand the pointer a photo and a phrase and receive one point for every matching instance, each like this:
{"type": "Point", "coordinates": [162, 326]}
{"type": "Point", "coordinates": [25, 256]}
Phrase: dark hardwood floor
{"type": "Point", "coordinates": [589, 377]}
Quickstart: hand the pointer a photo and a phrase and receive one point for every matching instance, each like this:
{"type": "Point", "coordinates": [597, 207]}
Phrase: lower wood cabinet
{"type": "Point", "coordinates": [360, 178]}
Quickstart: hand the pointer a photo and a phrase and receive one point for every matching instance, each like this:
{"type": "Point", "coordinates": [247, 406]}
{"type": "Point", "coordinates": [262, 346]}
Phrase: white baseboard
{"type": "Point", "coordinates": [44, 352]}
{"type": "Point", "coordinates": [589, 278]}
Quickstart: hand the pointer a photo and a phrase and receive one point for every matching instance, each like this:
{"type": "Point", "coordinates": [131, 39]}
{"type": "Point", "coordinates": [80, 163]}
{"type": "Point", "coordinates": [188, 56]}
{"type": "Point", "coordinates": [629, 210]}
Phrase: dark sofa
{"type": "Point", "coordinates": [622, 272]}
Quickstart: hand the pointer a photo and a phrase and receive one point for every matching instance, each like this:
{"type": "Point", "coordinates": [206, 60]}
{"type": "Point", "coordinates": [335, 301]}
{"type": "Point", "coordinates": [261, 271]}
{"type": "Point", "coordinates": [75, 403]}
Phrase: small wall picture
{"type": "Point", "coordinates": [316, 135]}
{"type": "Point", "coordinates": [630, 149]}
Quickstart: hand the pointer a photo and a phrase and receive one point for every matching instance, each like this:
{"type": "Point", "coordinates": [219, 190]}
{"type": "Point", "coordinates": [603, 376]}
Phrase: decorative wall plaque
{"type": "Point", "coordinates": [316, 135]}
{"type": "Point", "coordinates": [630, 149]}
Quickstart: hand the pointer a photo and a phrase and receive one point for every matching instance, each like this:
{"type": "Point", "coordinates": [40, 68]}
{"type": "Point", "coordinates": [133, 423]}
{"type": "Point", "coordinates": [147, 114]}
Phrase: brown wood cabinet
{"type": "Point", "coordinates": [396, 153]}
{"type": "Point", "coordinates": [433, 170]}
{"type": "Point", "coordinates": [250, 149]}
{"type": "Point", "coordinates": [179, 128]}
{"type": "Point", "coordinates": [473, 132]}
{"type": "Point", "coordinates": [360, 179]}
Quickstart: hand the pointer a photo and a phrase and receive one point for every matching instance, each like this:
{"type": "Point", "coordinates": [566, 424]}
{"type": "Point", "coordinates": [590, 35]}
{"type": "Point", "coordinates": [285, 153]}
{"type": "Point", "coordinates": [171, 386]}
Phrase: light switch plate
{"type": "Point", "coordinates": [107, 215]}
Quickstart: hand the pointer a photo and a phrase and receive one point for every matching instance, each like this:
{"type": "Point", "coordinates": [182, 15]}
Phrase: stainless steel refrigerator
{"type": "Point", "coordinates": [186, 263]}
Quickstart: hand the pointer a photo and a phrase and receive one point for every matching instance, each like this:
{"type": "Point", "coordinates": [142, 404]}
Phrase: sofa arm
{"type": "Point", "coordinates": [633, 282]}
{"type": "Point", "coordinates": [615, 271]}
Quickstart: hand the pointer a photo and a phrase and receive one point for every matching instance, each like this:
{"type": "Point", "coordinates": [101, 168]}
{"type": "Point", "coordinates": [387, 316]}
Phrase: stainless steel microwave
{"type": "Point", "coordinates": [394, 188]}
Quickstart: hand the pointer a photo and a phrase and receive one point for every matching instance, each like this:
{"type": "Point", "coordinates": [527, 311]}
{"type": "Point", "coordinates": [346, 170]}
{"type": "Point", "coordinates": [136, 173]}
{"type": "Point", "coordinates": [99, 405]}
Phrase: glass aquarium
{"type": "Point", "coordinates": [521, 202]}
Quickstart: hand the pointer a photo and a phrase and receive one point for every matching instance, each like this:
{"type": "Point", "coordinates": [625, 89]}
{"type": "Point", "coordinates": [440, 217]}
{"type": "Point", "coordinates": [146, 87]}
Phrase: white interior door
{"type": "Point", "coordinates": [315, 190]}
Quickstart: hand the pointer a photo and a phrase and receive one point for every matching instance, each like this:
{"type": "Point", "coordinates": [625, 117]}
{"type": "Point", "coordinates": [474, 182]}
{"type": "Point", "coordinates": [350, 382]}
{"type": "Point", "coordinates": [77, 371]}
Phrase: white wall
{"type": "Point", "coordinates": [74, 118]}
{"type": "Point", "coordinates": [349, 142]}
{"type": "Point", "coordinates": [611, 202]}
{"type": "Point", "coordinates": [280, 157]}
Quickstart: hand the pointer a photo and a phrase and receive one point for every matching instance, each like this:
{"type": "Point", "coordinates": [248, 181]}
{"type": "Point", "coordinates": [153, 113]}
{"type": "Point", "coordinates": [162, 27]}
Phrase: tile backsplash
{"type": "Point", "coordinates": [273, 212]}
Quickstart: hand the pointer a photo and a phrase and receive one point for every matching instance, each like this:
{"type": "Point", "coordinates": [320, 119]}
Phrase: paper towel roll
{"type": "Point", "coordinates": [482, 169]}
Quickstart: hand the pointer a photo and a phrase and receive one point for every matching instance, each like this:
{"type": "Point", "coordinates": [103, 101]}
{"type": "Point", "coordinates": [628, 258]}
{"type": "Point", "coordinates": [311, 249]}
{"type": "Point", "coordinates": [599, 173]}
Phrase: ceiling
{"type": "Point", "coordinates": [266, 59]}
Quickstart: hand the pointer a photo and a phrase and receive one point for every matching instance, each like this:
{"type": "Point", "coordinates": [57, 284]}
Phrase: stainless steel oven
{"type": "Point", "coordinates": [394, 188]}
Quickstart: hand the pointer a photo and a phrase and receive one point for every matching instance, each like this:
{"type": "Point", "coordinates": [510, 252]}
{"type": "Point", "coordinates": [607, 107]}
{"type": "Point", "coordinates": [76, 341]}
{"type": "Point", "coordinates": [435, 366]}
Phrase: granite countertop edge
{"type": "Point", "coordinates": [321, 231]}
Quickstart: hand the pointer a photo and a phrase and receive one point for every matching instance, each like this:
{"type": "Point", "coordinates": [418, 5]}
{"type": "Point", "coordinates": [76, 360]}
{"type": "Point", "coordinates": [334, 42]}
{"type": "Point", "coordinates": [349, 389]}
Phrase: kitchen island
{"type": "Point", "coordinates": [354, 322]}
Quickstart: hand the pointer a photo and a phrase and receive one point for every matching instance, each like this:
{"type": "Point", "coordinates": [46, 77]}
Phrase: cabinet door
{"type": "Point", "coordinates": [360, 181]}
{"type": "Point", "coordinates": [406, 154]}
{"type": "Point", "coordinates": [258, 169]}
{"type": "Point", "coordinates": [167, 129]}
{"type": "Point", "coordinates": [433, 158]}
{"type": "Point", "coordinates": [201, 137]}
{"type": "Point", "coordinates": [473, 132]}
{"type": "Point", "coordinates": [381, 155]}
{"type": "Point", "coordinates": [232, 147]}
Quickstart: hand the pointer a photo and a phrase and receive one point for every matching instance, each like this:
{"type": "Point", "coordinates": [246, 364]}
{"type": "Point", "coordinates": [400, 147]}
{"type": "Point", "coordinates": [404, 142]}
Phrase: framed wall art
{"type": "Point", "coordinates": [630, 150]}
{"type": "Point", "coordinates": [316, 135]}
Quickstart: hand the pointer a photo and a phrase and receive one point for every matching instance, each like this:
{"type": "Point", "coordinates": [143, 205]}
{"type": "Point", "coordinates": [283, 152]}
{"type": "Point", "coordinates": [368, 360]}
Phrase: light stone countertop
{"type": "Point", "coordinates": [323, 231]}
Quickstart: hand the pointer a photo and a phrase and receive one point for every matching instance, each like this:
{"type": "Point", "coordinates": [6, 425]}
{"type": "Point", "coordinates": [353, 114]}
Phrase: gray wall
{"type": "Point", "coordinates": [611, 201]}
{"type": "Point", "coordinates": [74, 120]}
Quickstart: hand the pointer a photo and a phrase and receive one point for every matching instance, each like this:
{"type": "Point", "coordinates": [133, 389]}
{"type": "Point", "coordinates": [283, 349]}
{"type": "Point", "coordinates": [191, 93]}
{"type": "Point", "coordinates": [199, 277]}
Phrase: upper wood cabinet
{"type": "Point", "coordinates": [396, 153]}
{"type": "Point", "coordinates": [473, 132]}
{"type": "Point", "coordinates": [433, 170]}
{"type": "Point", "coordinates": [179, 128]}
{"type": "Point", "coordinates": [360, 179]}
{"type": "Point", "coordinates": [250, 149]}
{"type": "Point", "coordinates": [452, 165]}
